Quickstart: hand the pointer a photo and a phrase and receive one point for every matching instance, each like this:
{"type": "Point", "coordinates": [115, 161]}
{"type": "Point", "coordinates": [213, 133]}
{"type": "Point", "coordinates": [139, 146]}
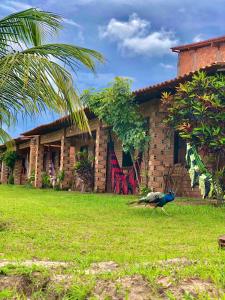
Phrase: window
{"type": "Point", "coordinates": [126, 160]}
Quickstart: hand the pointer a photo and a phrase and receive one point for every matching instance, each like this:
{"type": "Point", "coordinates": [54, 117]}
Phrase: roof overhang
{"type": "Point", "coordinates": [210, 42]}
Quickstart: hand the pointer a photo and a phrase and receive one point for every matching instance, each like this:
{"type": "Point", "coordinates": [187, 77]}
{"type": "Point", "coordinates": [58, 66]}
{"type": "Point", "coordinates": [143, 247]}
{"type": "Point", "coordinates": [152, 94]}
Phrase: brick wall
{"type": "Point", "coordinates": [65, 161]}
{"type": "Point", "coordinates": [158, 158]}
{"type": "Point", "coordinates": [32, 156]}
{"type": "Point", "coordinates": [192, 60]}
{"type": "Point", "coordinates": [39, 155]}
{"type": "Point", "coordinates": [4, 173]}
{"type": "Point", "coordinates": [101, 158]}
{"type": "Point", "coordinates": [17, 171]}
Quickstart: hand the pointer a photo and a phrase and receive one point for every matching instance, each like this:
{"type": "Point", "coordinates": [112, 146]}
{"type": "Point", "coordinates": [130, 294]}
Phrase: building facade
{"type": "Point", "coordinates": [52, 147]}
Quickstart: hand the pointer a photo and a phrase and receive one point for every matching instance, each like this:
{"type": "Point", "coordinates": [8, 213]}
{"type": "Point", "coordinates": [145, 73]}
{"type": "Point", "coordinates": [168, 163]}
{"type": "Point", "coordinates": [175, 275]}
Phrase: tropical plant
{"type": "Point", "coordinates": [84, 168]}
{"type": "Point", "coordinates": [9, 158]}
{"type": "Point", "coordinates": [31, 179]}
{"type": "Point", "coordinates": [197, 111]}
{"type": "Point", "coordinates": [46, 180]}
{"type": "Point", "coordinates": [60, 176]}
{"type": "Point", "coordinates": [33, 74]}
{"type": "Point", "coordinates": [116, 106]}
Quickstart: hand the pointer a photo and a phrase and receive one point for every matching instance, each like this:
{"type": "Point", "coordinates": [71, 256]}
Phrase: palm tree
{"type": "Point", "coordinates": [33, 74]}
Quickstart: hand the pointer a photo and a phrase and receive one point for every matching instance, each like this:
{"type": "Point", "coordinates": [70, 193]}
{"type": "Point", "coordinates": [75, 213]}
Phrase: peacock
{"type": "Point", "coordinates": [156, 199]}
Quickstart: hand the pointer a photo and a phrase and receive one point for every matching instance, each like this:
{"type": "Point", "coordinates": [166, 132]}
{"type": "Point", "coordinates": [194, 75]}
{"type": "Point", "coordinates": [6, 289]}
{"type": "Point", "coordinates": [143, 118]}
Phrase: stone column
{"type": "Point", "coordinates": [39, 155]}
{"type": "Point", "coordinates": [4, 173]}
{"type": "Point", "coordinates": [32, 156]}
{"type": "Point", "coordinates": [65, 163]}
{"type": "Point", "coordinates": [100, 159]}
{"type": "Point", "coordinates": [17, 171]}
{"type": "Point", "coordinates": [160, 151]}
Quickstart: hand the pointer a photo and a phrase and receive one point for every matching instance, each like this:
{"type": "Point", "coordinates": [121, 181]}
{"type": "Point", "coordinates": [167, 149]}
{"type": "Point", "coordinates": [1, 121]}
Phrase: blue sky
{"type": "Point", "coordinates": [134, 36]}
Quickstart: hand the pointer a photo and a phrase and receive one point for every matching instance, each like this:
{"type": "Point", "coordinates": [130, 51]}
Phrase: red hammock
{"type": "Point", "coordinates": [122, 183]}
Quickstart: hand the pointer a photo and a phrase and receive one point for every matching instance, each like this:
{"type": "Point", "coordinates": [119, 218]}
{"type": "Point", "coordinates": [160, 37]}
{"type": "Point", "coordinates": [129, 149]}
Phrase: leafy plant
{"type": "Point", "coordinates": [46, 180]}
{"type": "Point", "coordinates": [60, 176]}
{"type": "Point", "coordinates": [144, 190]}
{"type": "Point", "coordinates": [197, 111]}
{"type": "Point", "coordinates": [11, 179]}
{"type": "Point", "coordinates": [116, 106]}
{"type": "Point", "coordinates": [31, 179]}
{"type": "Point", "coordinates": [84, 168]}
{"type": "Point", "coordinates": [33, 74]}
{"type": "Point", "coordinates": [9, 158]}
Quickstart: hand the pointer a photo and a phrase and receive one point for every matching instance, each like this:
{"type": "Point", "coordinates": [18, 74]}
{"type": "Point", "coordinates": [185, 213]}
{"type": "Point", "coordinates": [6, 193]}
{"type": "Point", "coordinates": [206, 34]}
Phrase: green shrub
{"type": "Point", "coordinates": [59, 179]}
{"type": "Point", "coordinates": [11, 179]}
{"type": "Point", "coordinates": [46, 181]}
{"type": "Point", "coordinates": [144, 190]}
{"type": "Point", "coordinates": [84, 168]}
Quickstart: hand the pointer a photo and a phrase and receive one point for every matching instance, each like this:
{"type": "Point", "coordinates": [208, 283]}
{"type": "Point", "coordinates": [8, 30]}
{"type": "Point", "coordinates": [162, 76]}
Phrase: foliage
{"type": "Point", "coordinates": [9, 158]}
{"type": "Point", "coordinates": [60, 176]}
{"type": "Point", "coordinates": [84, 168]}
{"type": "Point", "coordinates": [115, 106]}
{"type": "Point", "coordinates": [46, 180]}
{"type": "Point", "coordinates": [33, 74]}
{"type": "Point", "coordinates": [31, 179]}
{"type": "Point", "coordinates": [197, 112]}
{"type": "Point", "coordinates": [11, 179]}
{"type": "Point", "coordinates": [144, 190]}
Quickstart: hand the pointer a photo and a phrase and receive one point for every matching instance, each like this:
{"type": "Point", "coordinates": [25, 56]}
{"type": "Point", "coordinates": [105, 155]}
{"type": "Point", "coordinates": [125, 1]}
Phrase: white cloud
{"type": "Point", "coordinates": [198, 38]}
{"type": "Point", "coordinates": [122, 30]}
{"type": "Point", "coordinates": [167, 66]}
{"type": "Point", "coordinates": [71, 22]}
{"type": "Point", "coordinates": [135, 38]}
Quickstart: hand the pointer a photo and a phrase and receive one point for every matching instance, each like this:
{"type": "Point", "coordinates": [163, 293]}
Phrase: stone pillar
{"type": "Point", "coordinates": [4, 173]}
{"type": "Point", "coordinates": [160, 151]}
{"type": "Point", "coordinates": [17, 171]}
{"type": "Point", "coordinates": [39, 155]}
{"type": "Point", "coordinates": [65, 163]}
{"type": "Point", "coordinates": [32, 156]}
{"type": "Point", "coordinates": [100, 159]}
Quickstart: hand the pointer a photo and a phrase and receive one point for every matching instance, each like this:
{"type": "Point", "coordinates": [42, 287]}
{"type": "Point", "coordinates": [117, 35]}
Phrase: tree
{"type": "Point", "coordinates": [33, 74]}
{"type": "Point", "coordinates": [116, 106]}
{"type": "Point", "coordinates": [197, 111]}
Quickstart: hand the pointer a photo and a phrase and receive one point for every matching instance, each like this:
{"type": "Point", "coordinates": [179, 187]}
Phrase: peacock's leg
{"type": "Point", "coordinates": [163, 209]}
{"type": "Point", "coordinates": [153, 210]}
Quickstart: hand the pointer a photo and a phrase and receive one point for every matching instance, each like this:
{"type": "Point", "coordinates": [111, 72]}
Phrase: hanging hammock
{"type": "Point", "coordinates": [124, 183]}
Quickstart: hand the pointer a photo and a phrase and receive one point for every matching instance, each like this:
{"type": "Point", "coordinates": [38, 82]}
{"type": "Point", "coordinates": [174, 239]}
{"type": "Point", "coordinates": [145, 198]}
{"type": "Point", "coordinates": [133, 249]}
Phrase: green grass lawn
{"type": "Point", "coordinates": [87, 228]}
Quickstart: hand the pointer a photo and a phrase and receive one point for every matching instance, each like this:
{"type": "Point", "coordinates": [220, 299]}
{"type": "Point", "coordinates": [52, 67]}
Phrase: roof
{"type": "Point", "coordinates": [205, 43]}
{"type": "Point", "coordinates": [55, 125]}
{"type": "Point", "coordinates": [141, 95]}
{"type": "Point", "coordinates": [18, 140]}
{"type": "Point", "coordinates": [170, 85]}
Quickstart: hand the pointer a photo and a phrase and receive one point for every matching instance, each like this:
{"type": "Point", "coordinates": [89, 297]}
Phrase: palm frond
{"type": "Point", "coordinates": [69, 55]}
{"type": "Point", "coordinates": [29, 27]}
{"type": "Point", "coordinates": [31, 83]}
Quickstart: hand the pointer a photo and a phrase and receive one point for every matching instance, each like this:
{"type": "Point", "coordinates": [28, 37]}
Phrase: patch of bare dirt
{"type": "Point", "coordinates": [178, 261]}
{"type": "Point", "coordinates": [195, 287]}
{"type": "Point", "coordinates": [102, 267]}
{"type": "Point", "coordinates": [18, 283]}
{"type": "Point", "coordinates": [42, 263]}
{"type": "Point", "coordinates": [129, 287]}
